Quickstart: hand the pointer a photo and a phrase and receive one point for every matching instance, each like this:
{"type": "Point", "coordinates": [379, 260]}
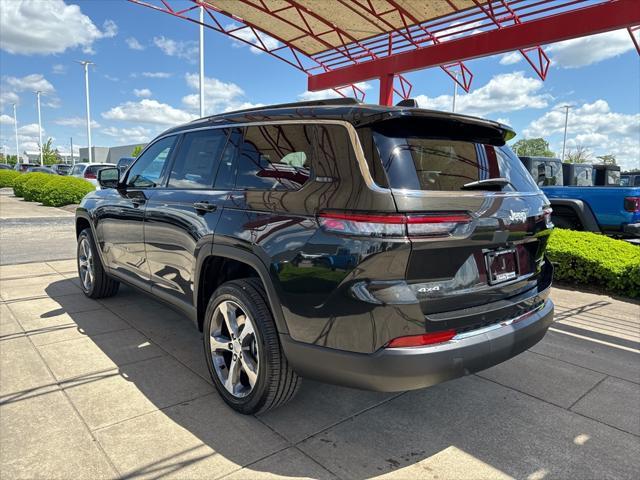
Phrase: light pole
{"type": "Point", "coordinates": [73, 162]}
{"type": "Point", "coordinates": [15, 122]}
{"type": "Point", "coordinates": [566, 119]}
{"type": "Point", "coordinates": [40, 126]}
{"type": "Point", "coordinates": [86, 64]}
{"type": "Point", "coordinates": [201, 61]}
{"type": "Point", "coordinates": [455, 91]}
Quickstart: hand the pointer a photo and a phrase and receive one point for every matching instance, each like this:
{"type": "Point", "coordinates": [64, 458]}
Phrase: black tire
{"type": "Point", "coordinates": [567, 223]}
{"type": "Point", "coordinates": [102, 285]}
{"type": "Point", "coordinates": [276, 382]}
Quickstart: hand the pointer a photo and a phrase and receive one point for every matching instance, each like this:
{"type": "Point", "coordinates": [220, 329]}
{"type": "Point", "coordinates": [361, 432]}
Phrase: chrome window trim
{"type": "Point", "coordinates": [353, 136]}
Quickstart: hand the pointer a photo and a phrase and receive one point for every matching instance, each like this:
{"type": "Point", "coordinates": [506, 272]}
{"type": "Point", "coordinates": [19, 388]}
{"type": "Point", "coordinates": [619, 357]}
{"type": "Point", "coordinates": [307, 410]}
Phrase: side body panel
{"type": "Point", "coordinates": [606, 203]}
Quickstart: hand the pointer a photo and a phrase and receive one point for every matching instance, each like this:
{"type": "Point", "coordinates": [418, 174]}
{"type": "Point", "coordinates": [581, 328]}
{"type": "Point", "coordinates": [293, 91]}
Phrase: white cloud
{"type": "Point", "coordinates": [330, 93]}
{"type": "Point", "coordinates": [44, 27]}
{"type": "Point", "coordinates": [594, 126]}
{"type": "Point", "coordinates": [219, 96]}
{"type": "Point", "coordinates": [6, 120]}
{"type": "Point", "coordinates": [148, 111]}
{"type": "Point", "coordinates": [580, 52]}
{"type": "Point", "coordinates": [177, 48]}
{"type": "Point", "coordinates": [59, 69]}
{"type": "Point", "coordinates": [506, 92]}
{"type": "Point", "coordinates": [75, 122]}
{"type": "Point", "coordinates": [7, 97]}
{"type": "Point", "coordinates": [257, 39]}
{"type": "Point", "coordinates": [154, 74]}
{"type": "Point", "coordinates": [583, 51]}
{"type": "Point", "coordinates": [510, 58]}
{"type": "Point", "coordinates": [142, 92]}
{"type": "Point", "coordinates": [134, 44]}
{"type": "Point", "coordinates": [130, 135]}
{"type": "Point", "coordinates": [111, 78]}
{"type": "Point", "coordinates": [32, 82]}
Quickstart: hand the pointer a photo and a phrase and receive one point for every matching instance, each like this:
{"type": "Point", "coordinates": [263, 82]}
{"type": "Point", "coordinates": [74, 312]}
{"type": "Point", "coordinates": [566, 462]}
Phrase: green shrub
{"type": "Point", "coordinates": [65, 191]}
{"type": "Point", "coordinates": [7, 177]}
{"type": "Point", "coordinates": [33, 187]}
{"type": "Point", "coordinates": [591, 259]}
{"type": "Point", "coordinates": [19, 183]}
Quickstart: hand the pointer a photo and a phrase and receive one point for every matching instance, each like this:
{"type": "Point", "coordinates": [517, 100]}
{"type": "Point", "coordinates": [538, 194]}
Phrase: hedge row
{"type": "Point", "coordinates": [590, 259]}
{"type": "Point", "coordinates": [7, 177]}
{"type": "Point", "coordinates": [51, 190]}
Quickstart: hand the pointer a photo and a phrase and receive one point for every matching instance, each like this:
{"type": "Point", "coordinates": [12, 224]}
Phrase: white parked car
{"type": "Point", "coordinates": [89, 171]}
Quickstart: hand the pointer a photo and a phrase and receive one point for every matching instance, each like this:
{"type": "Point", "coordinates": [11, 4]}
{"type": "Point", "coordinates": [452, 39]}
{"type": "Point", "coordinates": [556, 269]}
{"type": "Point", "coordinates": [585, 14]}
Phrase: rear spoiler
{"type": "Point", "coordinates": [500, 130]}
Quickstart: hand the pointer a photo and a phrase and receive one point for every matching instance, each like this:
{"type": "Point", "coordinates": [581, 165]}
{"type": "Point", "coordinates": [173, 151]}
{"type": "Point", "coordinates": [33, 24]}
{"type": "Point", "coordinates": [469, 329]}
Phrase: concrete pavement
{"type": "Point", "coordinates": [31, 232]}
{"type": "Point", "coordinates": [119, 388]}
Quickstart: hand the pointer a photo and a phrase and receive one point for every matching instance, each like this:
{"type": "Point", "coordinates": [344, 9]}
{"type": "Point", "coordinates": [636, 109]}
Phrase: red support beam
{"type": "Point", "coordinates": [599, 18]}
{"type": "Point", "coordinates": [386, 90]}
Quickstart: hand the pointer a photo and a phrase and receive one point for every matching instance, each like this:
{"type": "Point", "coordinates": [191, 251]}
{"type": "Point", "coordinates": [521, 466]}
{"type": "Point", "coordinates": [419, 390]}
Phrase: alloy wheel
{"type": "Point", "coordinates": [85, 262]}
{"type": "Point", "coordinates": [234, 348]}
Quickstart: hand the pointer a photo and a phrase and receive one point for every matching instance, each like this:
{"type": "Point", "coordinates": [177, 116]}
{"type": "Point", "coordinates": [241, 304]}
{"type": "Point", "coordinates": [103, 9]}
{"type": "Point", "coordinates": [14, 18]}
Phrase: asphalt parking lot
{"type": "Point", "coordinates": [119, 388]}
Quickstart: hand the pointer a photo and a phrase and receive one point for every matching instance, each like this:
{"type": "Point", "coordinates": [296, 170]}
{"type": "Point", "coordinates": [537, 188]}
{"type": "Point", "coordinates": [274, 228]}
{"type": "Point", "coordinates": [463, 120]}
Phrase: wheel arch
{"type": "Point", "coordinates": [223, 263]}
{"type": "Point", "coordinates": [578, 209]}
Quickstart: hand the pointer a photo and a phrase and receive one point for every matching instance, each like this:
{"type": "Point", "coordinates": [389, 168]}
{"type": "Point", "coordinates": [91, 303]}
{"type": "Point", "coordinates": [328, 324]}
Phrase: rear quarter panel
{"type": "Point", "coordinates": [606, 203]}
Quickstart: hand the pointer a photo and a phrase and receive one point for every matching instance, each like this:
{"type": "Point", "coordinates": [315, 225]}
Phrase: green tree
{"type": "Point", "coordinates": [49, 154]}
{"type": "Point", "coordinates": [608, 159]}
{"type": "Point", "coordinates": [136, 151]}
{"type": "Point", "coordinates": [533, 147]}
{"type": "Point", "coordinates": [578, 155]}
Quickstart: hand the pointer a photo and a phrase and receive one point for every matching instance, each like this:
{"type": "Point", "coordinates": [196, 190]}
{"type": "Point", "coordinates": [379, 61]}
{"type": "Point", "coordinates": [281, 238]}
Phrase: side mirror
{"type": "Point", "coordinates": [108, 177]}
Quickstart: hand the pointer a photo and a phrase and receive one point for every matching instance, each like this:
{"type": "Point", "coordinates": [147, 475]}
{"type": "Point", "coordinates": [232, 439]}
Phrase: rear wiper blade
{"type": "Point", "coordinates": [488, 182]}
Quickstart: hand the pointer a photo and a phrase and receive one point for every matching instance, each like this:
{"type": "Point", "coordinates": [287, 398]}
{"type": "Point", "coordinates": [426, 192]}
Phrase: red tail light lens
{"type": "Point", "coordinates": [88, 174]}
{"type": "Point", "coordinates": [422, 340]}
{"type": "Point", "coordinates": [632, 204]}
{"type": "Point", "coordinates": [394, 225]}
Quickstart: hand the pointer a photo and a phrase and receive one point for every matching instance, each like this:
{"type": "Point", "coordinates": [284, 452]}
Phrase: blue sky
{"type": "Point", "coordinates": [145, 80]}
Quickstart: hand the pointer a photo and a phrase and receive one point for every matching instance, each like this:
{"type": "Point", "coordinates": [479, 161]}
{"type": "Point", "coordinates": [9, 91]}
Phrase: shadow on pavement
{"type": "Point", "coordinates": [469, 427]}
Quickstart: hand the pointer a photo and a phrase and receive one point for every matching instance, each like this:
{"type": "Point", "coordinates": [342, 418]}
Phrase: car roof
{"type": "Point", "coordinates": [344, 109]}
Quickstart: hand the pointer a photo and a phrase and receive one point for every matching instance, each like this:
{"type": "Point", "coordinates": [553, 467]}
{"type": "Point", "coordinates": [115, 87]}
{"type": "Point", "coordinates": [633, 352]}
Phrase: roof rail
{"type": "Point", "coordinates": [309, 103]}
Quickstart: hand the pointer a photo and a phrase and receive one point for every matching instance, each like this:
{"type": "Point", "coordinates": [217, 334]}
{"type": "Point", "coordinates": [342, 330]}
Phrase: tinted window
{"type": "Point", "coordinates": [415, 160]}
{"type": "Point", "coordinates": [77, 170]}
{"type": "Point", "coordinates": [226, 176]}
{"type": "Point", "coordinates": [636, 181]}
{"type": "Point", "coordinates": [275, 157]}
{"type": "Point", "coordinates": [197, 159]}
{"type": "Point", "coordinates": [149, 168]}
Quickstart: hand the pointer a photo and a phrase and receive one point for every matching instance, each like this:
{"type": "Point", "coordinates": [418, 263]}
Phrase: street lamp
{"type": "Point", "coordinates": [455, 91]}
{"type": "Point", "coordinates": [201, 61]}
{"type": "Point", "coordinates": [566, 119]}
{"type": "Point", "coordinates": [40, 127]}
{"type": "Point", "coordinates": [15, 122]}
{"type": "Point", "coordinates": [86, 64]}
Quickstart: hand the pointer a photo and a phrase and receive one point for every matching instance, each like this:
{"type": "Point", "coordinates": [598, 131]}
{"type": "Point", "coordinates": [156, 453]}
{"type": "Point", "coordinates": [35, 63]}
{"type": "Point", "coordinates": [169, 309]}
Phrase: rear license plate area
{"type": "Point", "coordinates": [502, 265]}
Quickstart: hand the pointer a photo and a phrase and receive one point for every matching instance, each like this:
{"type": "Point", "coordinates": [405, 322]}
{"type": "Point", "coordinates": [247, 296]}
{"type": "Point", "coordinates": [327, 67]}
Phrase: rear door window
{"type": "Point", "coordinates": [275, 157]}
{"type": "Point", "coordinates": [197, 159]}
{"type": "Point", "coordinates": [415, 160]}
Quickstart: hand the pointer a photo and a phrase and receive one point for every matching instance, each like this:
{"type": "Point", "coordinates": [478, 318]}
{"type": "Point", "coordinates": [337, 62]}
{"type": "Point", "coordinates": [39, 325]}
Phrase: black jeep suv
{"type": "Point", "coordinates": [384, 248]}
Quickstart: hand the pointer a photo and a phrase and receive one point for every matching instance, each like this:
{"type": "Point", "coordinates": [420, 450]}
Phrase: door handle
{"type": "Point", "coordinates": [138, 201]}
{"type": "Point", "coordinates": [205, 206]}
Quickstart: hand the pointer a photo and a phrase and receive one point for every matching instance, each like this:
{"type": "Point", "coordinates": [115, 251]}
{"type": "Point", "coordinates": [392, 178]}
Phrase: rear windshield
{"type": "Point", "coordinates": [94, 169]}
{"type": "Point", "coordinates": [413, 159]}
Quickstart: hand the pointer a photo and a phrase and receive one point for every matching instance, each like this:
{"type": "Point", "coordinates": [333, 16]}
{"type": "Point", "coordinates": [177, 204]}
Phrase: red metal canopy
{"type": "Point", "coordinates": [339, 43]}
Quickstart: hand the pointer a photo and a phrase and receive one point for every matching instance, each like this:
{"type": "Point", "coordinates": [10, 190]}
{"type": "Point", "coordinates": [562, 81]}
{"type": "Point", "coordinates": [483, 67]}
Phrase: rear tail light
{"type": "Point", "coordinates": [89, 175]}
{"type": "Point", "coordinates": [423, 339]}
{"type": "Point", "coordinates": [632, 204]}
{"type": "Point", "coordinates": [547, 217]}
{"type": "Point", "coordinates": [394, 225]}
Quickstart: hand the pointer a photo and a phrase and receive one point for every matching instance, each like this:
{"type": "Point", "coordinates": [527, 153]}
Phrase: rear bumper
{"type": "Point", "coordinates": [400, 369]}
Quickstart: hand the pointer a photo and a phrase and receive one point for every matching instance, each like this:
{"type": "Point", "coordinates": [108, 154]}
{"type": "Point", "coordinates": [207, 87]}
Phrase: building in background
{"type": "Point", "coordinates": [107, 154]}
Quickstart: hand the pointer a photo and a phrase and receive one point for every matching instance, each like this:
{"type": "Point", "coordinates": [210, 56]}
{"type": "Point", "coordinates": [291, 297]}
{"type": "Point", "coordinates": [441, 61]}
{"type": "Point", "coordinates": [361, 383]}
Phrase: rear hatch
{"type": "Point", "coordinates": [488, 222]}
